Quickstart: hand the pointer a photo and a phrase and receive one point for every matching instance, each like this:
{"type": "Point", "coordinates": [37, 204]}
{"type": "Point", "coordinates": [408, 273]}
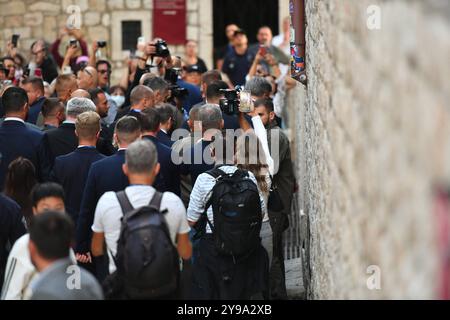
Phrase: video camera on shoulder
{"type": "Point", "coordinates": [162, 50]}
{"type": "Point", "coordinates": [230, 104]}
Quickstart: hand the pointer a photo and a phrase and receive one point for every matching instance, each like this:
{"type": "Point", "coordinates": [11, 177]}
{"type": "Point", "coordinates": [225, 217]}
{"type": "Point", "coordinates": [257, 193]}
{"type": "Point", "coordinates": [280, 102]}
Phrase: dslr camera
{"type": "Point", "coordinates": [162, 50]}
{"type": "Point", "coordinates": [230, 104]}
{"type": "Point", "coordinates": [171, 76]}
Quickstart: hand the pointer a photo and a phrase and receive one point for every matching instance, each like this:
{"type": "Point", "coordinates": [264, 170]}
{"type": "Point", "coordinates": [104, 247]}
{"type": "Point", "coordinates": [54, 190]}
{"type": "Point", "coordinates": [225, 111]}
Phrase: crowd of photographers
{"type": "Point", "coordinates": [84, 163]}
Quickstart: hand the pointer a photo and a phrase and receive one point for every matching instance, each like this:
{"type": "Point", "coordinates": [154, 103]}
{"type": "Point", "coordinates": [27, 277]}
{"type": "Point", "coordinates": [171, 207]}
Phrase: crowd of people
{"type": "Point", "coordinates": [147, 188]}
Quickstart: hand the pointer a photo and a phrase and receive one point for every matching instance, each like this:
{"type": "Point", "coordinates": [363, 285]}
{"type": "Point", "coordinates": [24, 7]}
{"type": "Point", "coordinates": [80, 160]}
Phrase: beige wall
{"type": "Point", "coordinates": [101, 19]}
{"type": "Point", "coordinates": [373, 138]}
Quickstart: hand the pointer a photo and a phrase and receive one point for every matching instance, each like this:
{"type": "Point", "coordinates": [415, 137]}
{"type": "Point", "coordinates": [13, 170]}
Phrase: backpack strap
{"type": "Point", "coordinates": [124, 202]}
{"type": "Point", "coordinates": [216, 172]}
{"type": "Point", "coordinates": [156, 200]}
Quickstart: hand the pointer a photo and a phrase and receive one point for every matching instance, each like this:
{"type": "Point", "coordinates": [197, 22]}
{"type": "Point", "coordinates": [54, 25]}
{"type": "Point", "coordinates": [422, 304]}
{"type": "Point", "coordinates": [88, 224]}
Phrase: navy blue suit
{"type": "Point", "coordinates": [194, 96]}
{"type": "Point", "coordinates": [71, 172]}
{"type": "Point", "coordinates": [164, 138]}
{"type": "Point", "coordinates": [104, 175]}
{"type": "Point", "coordinates": [168, 178]}
{"type": "Point", "coordinates": [34, 111]}
{"type": "Point", "coordinates": [63, 140]}
{"type": "Point", "coordinates": [20, 140]}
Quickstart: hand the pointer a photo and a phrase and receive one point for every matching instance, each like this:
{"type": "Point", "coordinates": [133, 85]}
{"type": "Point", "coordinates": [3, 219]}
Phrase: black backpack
{"type": "Point", "coordinates": [237, 214]}
{"type": "Point", "coordinates": [147, 261]}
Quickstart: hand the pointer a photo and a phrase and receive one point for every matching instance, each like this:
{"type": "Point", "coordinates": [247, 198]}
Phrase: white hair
{"type": "Point", "coordinates": [77, 106]}
{"type": "Point", "coordinates": [141, 156]}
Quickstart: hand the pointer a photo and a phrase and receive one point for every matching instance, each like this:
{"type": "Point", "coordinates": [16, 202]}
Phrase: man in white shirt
{"type": "Point", "coordinates": [216, 276]}
{"type": "Point", "coordinates": [20, 271]}
{"type": "Point", "coordinates": [141, 167]}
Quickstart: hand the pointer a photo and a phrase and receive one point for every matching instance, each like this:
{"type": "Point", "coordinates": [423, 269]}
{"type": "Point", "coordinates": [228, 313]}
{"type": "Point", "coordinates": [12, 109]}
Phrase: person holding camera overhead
{"type": "Point", "coordinates": [77, 47]}
{"type": "Point", "coordinates": [237, 63]}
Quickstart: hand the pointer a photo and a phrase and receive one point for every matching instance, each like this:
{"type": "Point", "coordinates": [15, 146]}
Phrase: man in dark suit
{"type": "Point", "coordinates": [71, 170]}
{"type": "Point", "coordinates": [63, 139]}
{"type": "Point", "coordinates": [166, 113]}
{"type": "Point", "coordinates": [105, 175]}
{"type": "Point", "coordinates": [98, 96]}
{"type": "Point", "coordinates": [35, 91]}
{"type": "Point", "coordinates": [20, 140]}
{"type": "Point", "coordinates": [141, 98]}
{"type": "Point", "coordinates": [200, 157]}
{"type": "Point", "coordinates": [53, 113]}
{"type": "Point", "coordinates": [168, 178]}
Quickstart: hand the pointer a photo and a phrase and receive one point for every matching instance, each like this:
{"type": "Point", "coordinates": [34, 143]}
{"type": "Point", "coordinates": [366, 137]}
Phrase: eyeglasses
{"type": "Point", "coordinates": [103, 71]}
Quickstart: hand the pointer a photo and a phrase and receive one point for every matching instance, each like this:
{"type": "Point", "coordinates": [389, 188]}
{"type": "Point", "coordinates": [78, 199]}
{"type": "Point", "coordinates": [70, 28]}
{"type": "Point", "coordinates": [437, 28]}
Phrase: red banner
{"type": "Point", "coordinates": [169, 20]}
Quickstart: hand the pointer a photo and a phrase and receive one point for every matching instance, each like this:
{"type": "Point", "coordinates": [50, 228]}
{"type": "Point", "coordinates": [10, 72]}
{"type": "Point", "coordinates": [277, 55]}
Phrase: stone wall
{"type": "Point", "coordinates": [43, 19]}
{"type": "Point", "coordinates": [372, 140]}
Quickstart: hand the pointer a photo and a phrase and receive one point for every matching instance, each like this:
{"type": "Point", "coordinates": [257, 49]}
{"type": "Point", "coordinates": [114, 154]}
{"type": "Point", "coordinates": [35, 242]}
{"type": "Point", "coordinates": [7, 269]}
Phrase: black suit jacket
{"type": "Point", "coordinates": [168, 178]}
{"type": "Point", "coordinates": [71, 172]}
{"type": "Point", "coordinates": [105, 175]}
{"type": "Point", "coordinates": [20, 140]}
{"type": "Point", "coordinates": [63, 140]}
{"type": "Point", "coordinates": [165, 139]}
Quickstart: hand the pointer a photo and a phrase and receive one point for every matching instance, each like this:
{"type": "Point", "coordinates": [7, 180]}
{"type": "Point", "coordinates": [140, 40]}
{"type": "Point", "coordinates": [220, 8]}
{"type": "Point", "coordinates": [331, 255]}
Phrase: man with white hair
{"type": "Point", "coordinates": [63, 140]}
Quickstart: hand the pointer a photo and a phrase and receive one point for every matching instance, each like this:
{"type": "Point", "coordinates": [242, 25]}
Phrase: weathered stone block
{"type": "Point", "coordinates": [34, 19]}
{"type": "Point", "coordinates": [133, 4]}
{"type": "Point", "coordinates": [115, 4]}
{"type": "Point", "coordinates": [13, 8]}
{"type": "Point", "coordinates": [14, 21]}
{"type": "Point", "coordinates": [91, 18]}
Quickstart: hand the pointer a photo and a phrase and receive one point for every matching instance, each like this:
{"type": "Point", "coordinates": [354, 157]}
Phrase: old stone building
{"type": "Point", "coordinates": [372, 141]}
{"type": "Point", "coordinates": [370, 132]}
{"type": "Point", "coordinates": [104, 20]}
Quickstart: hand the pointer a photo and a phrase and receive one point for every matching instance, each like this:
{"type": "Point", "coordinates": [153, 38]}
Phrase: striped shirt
{"type": "Point", "coordinates": [202, 192]}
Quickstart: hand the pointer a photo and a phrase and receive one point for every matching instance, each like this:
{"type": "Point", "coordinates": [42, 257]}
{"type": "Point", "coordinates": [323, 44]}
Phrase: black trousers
{"type": "Point", "coordinates": [217, 277]}
{"type": "Point", "coordinates": [277, 277]}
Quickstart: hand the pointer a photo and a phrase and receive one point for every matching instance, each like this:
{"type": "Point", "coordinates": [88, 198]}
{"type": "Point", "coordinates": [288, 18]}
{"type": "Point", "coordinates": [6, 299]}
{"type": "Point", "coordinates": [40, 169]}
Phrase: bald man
{"type": "Point", "coordinates": [141, 98]}
{"type": "Point", "coordinates": [87, 78]}
{"type": "Point", "coordinates": [80, 93]}
{"type": "Point", "coordinates": [65, 85]}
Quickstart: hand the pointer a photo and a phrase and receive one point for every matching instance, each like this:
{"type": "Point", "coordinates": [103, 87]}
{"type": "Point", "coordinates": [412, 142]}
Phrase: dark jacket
{"type": "Point", "coordinates": [284, 176]}
{"type": "Point", "coordinates": [71, 172]}
{"type": "Point", "coordinates": [165, 139]}
{"type": "Point", "coordinates": [63, 140]}
{"type": "Point", "coordinates": [34, 111]}
{"type": "Point", "coordinates": [18, 139]}
{"type": "Point", "coordinates": [49, 69]}
{"type": "Point", "coordinates": [194, 96]}
{"type": "Point", "coordinates": [105, 175]}
{"type": "Point", "coordinates": [11, 229]}
{"type": "Point", "coordinates": [168, 178]}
